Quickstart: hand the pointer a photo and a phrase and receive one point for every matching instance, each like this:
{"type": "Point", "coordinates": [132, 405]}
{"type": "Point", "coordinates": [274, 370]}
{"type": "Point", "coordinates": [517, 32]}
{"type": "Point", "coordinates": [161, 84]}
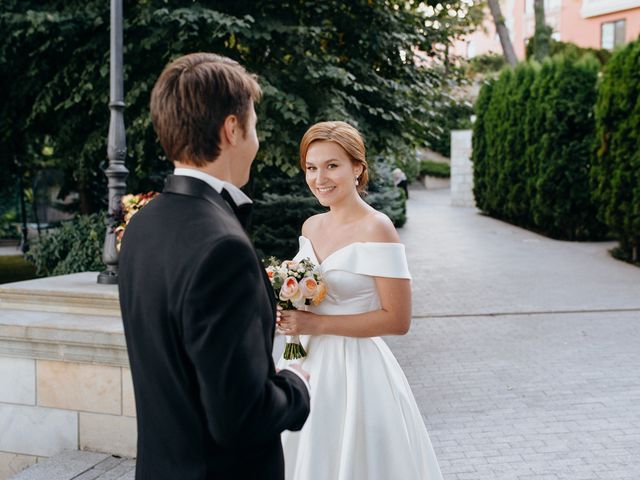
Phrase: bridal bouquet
{"type": "Point", "coordinates": [296, 284]}
{"type": "Point", "coordinates": [130, 205]}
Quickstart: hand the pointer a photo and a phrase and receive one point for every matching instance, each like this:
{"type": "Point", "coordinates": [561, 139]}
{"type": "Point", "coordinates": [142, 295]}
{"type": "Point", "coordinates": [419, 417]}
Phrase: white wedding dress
{"type": "Point", "coordinates": [364, 422]}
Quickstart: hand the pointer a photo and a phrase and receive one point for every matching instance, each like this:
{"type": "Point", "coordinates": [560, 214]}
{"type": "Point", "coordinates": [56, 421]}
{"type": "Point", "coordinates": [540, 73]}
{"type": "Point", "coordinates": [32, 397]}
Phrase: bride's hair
{"type": "Point", "coordinates": [344, 135]}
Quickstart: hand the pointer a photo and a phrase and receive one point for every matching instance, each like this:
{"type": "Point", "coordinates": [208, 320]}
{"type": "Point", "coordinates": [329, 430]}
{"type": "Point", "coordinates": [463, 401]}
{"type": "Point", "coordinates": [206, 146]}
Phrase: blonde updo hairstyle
{"type": "Point", "coordinates": [344, 135]}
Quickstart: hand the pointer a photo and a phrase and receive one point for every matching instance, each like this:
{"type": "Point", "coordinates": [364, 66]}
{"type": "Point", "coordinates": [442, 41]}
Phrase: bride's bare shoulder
{"type": "Point", "coordinates": [377, 227]}
{"type": "Point", "coordinates": [312, 225]}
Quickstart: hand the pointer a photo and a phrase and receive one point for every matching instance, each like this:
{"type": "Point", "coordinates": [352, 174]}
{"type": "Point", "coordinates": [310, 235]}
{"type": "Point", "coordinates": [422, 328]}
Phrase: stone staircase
{"type": "Point", "coordinates": [75, 465]}
{"type": "Point", "coordinates": [77, 294]}
{"type": "Point", "coordinates": [65, 384]}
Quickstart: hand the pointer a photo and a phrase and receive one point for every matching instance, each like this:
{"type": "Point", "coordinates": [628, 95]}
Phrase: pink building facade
{"type": "Point", "coordinates": [587, 23]}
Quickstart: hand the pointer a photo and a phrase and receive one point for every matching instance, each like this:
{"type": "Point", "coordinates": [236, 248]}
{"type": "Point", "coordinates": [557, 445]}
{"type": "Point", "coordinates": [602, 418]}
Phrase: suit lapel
{"type": "Point", "coordinates": [194, 187]}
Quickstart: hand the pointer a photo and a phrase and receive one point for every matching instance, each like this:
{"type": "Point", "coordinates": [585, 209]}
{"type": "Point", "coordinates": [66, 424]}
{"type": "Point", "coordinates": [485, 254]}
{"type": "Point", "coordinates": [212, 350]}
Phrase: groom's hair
{"type": "Point", "coordinates": [344, 135]}
{"type": "Point", "coordinates": [191, 100]}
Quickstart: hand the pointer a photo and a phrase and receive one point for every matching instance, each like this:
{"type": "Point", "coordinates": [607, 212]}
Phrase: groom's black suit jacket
{"type": "Point", "coordinates": [199, 319]}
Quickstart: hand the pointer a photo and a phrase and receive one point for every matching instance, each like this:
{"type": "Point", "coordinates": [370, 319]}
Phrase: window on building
{"type": "Point", "coordinates": [613, 34]}
{"type": "Point", "coordinates": [471, 50]}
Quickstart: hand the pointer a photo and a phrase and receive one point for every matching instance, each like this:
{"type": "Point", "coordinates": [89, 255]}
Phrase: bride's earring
{"type": "Point", "coordinates": [357, 182]}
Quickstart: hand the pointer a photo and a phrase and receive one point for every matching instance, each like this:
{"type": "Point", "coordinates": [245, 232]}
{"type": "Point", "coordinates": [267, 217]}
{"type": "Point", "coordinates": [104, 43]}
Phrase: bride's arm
{"type": "Point", "coordinates": [393, 318]}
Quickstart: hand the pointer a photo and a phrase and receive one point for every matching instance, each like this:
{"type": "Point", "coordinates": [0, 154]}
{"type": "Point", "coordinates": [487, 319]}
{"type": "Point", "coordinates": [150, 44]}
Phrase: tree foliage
{"type": "Point", "coordinates": [351, 61]}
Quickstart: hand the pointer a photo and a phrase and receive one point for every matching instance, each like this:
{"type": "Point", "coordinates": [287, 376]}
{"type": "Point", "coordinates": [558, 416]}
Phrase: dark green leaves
{"type": "Point", "coordinates": [533, 147]}
{"type": "Point", "coordinates": [616, 170]}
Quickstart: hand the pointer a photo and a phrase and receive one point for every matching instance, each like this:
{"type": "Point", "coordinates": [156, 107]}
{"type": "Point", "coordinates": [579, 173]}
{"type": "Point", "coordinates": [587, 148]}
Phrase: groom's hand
{"type": "Point", "coordinates": [300, 370]}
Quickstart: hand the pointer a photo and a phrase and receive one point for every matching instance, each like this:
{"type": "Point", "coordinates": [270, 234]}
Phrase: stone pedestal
{"type": "Point", "coordinates": [65, 382]}
{"type": "Point", "coordinates": [461, 169]}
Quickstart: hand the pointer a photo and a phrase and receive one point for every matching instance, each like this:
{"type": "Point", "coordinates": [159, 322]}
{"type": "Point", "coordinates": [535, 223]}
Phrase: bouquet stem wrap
{"type": "Point", "coordinates": [293, 349]}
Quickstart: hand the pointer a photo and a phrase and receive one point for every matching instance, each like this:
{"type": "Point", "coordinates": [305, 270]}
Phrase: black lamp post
{"type": "Point", "coordinates": [24, 238]}
{"type": "Point", "coordinates": [116, 148]}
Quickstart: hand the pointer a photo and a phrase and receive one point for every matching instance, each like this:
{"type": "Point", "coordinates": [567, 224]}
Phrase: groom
{"type": "Point", "coordinates": [198, 310]}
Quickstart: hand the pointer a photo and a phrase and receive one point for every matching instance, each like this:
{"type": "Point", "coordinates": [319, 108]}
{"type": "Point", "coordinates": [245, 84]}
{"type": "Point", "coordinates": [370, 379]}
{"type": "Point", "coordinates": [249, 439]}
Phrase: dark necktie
{"type": "Point", "coordinates": [243, 212]}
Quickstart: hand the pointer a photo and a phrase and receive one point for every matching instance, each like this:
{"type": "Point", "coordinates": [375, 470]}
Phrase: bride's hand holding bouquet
{"type": "Point", "coordinates": [298, 322]}
{"type": "Point", "coordinates": [296, 285]}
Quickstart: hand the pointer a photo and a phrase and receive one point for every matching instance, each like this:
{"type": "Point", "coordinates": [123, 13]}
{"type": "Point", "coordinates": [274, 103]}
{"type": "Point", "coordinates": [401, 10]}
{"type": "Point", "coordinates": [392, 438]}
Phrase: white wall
{"type": "Point", "coordinates": [461, 169]}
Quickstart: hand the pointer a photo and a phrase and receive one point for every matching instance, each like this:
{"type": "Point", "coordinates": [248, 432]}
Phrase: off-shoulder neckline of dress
{"type": "Point", "coordinates": [321, 262]}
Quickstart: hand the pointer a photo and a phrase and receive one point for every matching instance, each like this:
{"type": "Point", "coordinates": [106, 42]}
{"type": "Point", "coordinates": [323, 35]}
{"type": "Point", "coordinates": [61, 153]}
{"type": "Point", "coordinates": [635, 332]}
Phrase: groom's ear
{"type": "Point", "coordinates": [230, 132]}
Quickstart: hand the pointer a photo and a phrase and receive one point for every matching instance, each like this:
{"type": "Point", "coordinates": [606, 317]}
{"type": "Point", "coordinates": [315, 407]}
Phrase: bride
{"type": "Point", "coordinates": [364, 422]}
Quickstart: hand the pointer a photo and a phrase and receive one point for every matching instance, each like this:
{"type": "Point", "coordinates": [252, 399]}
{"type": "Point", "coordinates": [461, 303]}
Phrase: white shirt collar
{"type": "Point", "coordinates": [218, 185]}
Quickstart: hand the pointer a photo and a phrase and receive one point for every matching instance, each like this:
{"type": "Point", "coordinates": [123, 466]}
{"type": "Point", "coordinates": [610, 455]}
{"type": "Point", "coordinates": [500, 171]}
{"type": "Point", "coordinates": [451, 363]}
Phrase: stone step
{"type": "Point", "coordinates": [63, 337]}
{"type": "Point", "coordinates": [78, 465]}
{"type": "Point", "coordinates": [77, 294]}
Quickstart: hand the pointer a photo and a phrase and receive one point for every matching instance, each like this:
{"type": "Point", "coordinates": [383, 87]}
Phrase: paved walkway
{"type": "Point", "coordinates": [9, 250]}
{"type": "Point", "coordinates": [524, 351]}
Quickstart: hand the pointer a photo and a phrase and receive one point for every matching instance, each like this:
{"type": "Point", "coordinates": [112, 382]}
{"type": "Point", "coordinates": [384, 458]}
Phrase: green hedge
{"type": "Point", "coordinates": [8, 224]}
{"type": "Point", "coordinates": [435, 169]}
{"type": "Point", "coordinates": [569, 49]}
{"type": "Point", "coordinates": [533, 147]}
{"type": "Point", "coordinates": [8, 212]}
{"type": "Point", "coordinates": [277, 220]}
{"type": "Point", "coordinates": [76, 246]}
{"type": "Point", "coordinates": [616, 172]}
{"type": "Point", "coordinates": [383, 194]}
{"type": "Point", "coordinates": [486, 63]}
{"type": "Point", "coordinates": [14, 268]}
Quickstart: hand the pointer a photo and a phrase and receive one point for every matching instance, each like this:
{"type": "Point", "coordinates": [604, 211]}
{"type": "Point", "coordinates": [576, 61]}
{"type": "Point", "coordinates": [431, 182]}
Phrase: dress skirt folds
{"type": "Point", "coordinates": [364, 422]}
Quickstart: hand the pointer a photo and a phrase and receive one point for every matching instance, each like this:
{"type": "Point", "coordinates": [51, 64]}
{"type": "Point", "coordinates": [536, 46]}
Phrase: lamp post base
{"type": "Point", "coordinates": [108, 278]}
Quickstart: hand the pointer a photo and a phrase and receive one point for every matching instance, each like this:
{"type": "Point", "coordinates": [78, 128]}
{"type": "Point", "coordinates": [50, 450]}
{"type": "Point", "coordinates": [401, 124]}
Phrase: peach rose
{"type": "Point", "coordinates": [320, 294]}
{"type": "Point", "coordinates": [290, 290]}
{"type": "Point", "coordinates": [270, 272]}
{"type": "Point", "coordinates": [309, 287]}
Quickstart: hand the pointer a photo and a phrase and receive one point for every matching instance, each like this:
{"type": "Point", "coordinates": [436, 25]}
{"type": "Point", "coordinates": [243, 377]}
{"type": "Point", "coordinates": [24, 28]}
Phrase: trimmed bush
{"type": "Point", "coordinates": [486, 63]}
{"type": "Point", "coordinates": [15, 268]}
{"type": "Point", "coordinates": [391, 202]}
{"type": "Point", "coordinates": [76, 246]}
{"type": "Point", "coordinates": [8, 222]}
{"type": "Point", "coordinates": [563, 96]}
{"type": "Point", "coordinates": [435, 169]}
{"type": "Point", "coordinates": [8, 213]}
{"type": "Point", "coordinates": [480, 146]}
{"type": "Point", "coordinates": [569, 49]}
{"type": "Point", "coordinates": [532, 147]}
{"type": "Point", "coordinates": [514, 167]}
{"type": "Point", "coordinates": [383, 195]}
{"type": "Point", "coordinates": [616, 172]}
{"type": "Point", "coordinates": [277, 221]}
